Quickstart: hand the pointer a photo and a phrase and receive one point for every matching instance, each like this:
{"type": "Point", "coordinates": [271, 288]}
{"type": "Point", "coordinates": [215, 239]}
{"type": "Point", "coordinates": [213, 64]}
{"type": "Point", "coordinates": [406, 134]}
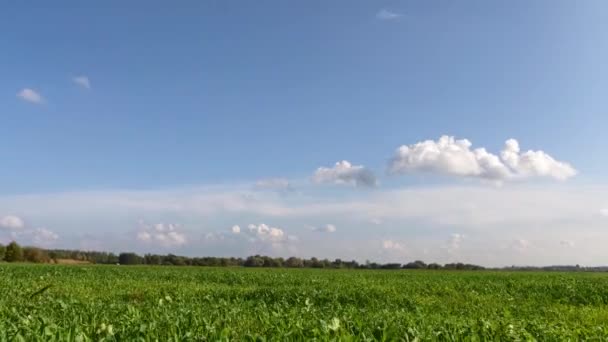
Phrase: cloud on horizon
{"type": "Point", "coordinates": [489, 217]}
{"type": "Point", "coordinates": [11, 222]}
{"type": "Point", "coordinates": [161, 234]}
{"type": "Point", "coordinates": [14, 229]}
{"type": "Point", "coordinates": [281, 185]}
{"type": "Point", "coordinates": [44, 237]}
{"type": "Point", "coordinates": [418, 216]}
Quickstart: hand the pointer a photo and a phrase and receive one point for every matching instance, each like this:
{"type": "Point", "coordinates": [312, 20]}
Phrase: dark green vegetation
{"type": "Point", "coordinates": [15, 253]}
{"type": "Point", "coordinates": [145, 303]}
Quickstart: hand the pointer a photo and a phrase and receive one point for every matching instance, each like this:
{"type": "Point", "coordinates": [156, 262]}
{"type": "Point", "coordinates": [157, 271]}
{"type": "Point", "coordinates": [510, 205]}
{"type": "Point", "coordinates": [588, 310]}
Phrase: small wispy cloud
{"type": "Point", "coordinates": [392, 245]}
{"type": "Point", "coordinates": [345, 173]}
{"type": "Point", "coordinates": [520, 244]}
{"type": "Point", "coordinates": [567, 243]}
{"type": "Point", "coordinates": [376, 221]}
{"type": "Point", "coordinates": [455, 241]}
{"type": "Point", "coordinates": [281, 185]}
{"type": "Point", "coordinates": [30, 95]}
{"type": "Point", "coordinates": [82, 81]}
{"type": "Point", "coordinates": [328, 228]}
{"type": "Point", "coordinates": [44, 237]}
{"type": "Point", "coordinates": [385, 14]}
{"type": "Point", "coordinates": [165, 235]}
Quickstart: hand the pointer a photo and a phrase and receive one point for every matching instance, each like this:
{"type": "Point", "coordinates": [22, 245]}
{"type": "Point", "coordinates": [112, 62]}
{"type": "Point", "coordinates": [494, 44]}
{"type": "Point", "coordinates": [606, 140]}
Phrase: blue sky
{"type": "Point", "coordinates": [207, 99]}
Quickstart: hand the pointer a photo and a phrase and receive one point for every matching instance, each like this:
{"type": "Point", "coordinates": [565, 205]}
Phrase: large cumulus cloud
{"type": "Point", "coordinates": [455, 157]}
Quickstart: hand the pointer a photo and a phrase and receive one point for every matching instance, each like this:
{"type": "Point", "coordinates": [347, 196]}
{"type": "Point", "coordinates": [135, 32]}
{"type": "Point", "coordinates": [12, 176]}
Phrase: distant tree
{"type": "Point", "coordinates": [418, 264]}
{"type": "Point", "coordinates": [36, 255]}
{"type": "Point", "coordinates": [112, 258]}
{"type": "Point", "coordinates": [433, 266]}
{"type": "Point", "coordinates": [152, 259]}
{"type": "Point", "coordinates": [294, 262]}
{"type": "Point", "coordinates": [353, 264]}
{"type": "Point", "coordinates": [337, 263]}
{"type": "Point", "coordinates": [316, 263]}
{"type": "Point", "coordinates": [254, 261]}
{"type": "Point", "coordinates": [461, 266]}
{"type": "Point", "coordinates": [13, 253]}
{"type": "Point", "coordinates": [129, 259]}
{"type": "Point", "coordinates": [53, 255]}
{"type": "Point", "coordinates": [172, 259]}
{"type": "Point", "coordinates": [474, 267]}
{"type": "Point", "coordinates": [272, 262]}
{"type": "Point", "coordinates": [373, 265]}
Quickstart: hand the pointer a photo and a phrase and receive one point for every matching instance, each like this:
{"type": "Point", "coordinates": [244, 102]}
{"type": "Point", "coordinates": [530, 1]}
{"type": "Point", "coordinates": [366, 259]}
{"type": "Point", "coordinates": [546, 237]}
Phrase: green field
{"type": "Point", "coordinates": [186, 303]}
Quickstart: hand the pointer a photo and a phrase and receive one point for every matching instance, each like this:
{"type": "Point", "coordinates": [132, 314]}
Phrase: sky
{"type": "Point", "coordinates": [370, 130]}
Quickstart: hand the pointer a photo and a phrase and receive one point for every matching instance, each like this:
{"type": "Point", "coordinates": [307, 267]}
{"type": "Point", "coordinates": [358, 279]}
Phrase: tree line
{"type": "Point", "coordinates": [13, 252]}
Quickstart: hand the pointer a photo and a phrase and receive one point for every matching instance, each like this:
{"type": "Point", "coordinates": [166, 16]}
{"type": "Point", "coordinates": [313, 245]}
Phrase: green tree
{"type": "Point", "coordinates": [129, 259]}
{"type": "Point", "coordinates": [254, 261]}
{"type": "Point", "coordinates": [2, 252]}
{"type": "Point", "coordinates": [418, 264]}
{"type": "Point", "coordinates": [152, 259]}
{"type": "Point", "coordinates": [294, 262]}
{"type": "Point", "coordinates": [37, 255]}
{"type": "Point", "coordinates": [13, 253]}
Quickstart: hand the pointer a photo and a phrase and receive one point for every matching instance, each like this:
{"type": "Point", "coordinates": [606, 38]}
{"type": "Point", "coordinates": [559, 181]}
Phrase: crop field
{"type": "Point", "coordinates": [120, 303]}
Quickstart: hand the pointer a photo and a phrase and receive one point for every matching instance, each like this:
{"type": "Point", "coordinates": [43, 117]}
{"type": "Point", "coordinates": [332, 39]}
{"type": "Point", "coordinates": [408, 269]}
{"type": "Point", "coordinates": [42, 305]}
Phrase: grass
{"type": "Point", "coordinates": [89, 302]}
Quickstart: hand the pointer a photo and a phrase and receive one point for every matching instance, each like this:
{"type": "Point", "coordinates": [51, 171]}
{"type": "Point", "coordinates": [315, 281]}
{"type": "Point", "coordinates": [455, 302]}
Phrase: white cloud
{"type": "Point", "coordinates": [454, 241]}
{"type": "Point", "coordinates": [144, 236]}
{"type": "Point", "coordinates": [534, 163]}
{"type": "Point", "coordinates": [30, 95]}
{"type": "Point", "coordinates": [392, 245]}
{"type": "Point", "coordinates": [385, 14]}
{"type": "Point", "coordinates": [274, 184]}
{"type": "Point", "coordinates": [328, 228]}
{"type": "Point", "coordinates": [469, 206]}
{"type": "Point", "coordinates": [566, 243]}
{"type": "Point", "coordinates": [214, 237]}
{"type": "Point", "coordinates": [82, 81]}
{"type": "Point", "coordinates": [520, 244]}
{"type": "Point", "coordinates": [41, 237]}
{"type": "Point", "coordinates": [165, 235]}
{"type": "Point", "coordinates": [420, 216]}
{"type": "Point", "coordinates": [604, 212]}
{"type": "Point", "coordinates": [263, 232]}
{"type": "Point", "coordinates": [376, 221]}
{"type": "Point", "coordinates": [449, 156]}
{"type": "Point", "coordinates": [344, 172]}
{"type": "Point", "coordinates": [11, 222]}
{"type": "Point", "coordinates": [252, 239]}
{"type": "Point", "coordinates": [44, 237]}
